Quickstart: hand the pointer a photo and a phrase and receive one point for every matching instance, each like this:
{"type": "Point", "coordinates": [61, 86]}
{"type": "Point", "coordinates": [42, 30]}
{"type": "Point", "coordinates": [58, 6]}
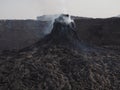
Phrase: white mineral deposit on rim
{"type": "Point", "coordinates": [65, 19]}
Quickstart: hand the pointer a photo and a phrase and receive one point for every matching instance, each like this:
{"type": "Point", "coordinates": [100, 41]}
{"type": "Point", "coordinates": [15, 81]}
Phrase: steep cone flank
{"type": "Point", "coordinates": [63, 34]}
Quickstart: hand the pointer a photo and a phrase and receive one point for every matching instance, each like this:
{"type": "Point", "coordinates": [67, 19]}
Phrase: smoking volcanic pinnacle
{"type": "Point", "coordinates": [63, 33]}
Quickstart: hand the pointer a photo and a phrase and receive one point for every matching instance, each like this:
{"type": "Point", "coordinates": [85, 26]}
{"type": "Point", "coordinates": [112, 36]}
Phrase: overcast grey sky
{"type": "Point", "coordinates": [29, 9]}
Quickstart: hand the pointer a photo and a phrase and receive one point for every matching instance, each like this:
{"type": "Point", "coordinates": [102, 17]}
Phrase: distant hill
{"type": "Point", "coordinates": [17, 34]}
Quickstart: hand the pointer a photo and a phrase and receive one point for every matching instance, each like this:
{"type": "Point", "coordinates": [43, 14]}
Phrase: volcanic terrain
{"type": "Point", "coordinates": [60, 61]}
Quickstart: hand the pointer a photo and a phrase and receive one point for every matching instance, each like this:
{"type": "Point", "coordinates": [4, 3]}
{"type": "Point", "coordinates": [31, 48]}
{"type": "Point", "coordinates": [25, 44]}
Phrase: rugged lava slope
{"type": "Point", "coordinates": [60, 62]}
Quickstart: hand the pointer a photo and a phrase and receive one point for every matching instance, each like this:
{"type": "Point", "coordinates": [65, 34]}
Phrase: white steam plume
{"type": "Point", "coordinates": [59, 9]}
{"type": "Point", "coordinates": [61, 18]}
{"type": "Point", "coordinates": [50, 22]}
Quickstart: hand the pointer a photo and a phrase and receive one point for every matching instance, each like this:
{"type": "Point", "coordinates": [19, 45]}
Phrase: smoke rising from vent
{"type": "Point", "coordinates": [50, 20]}
{"type": "Point", "coordinates": [60, 9]}
{"type": "Point", "coordinates": [61, 18]}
